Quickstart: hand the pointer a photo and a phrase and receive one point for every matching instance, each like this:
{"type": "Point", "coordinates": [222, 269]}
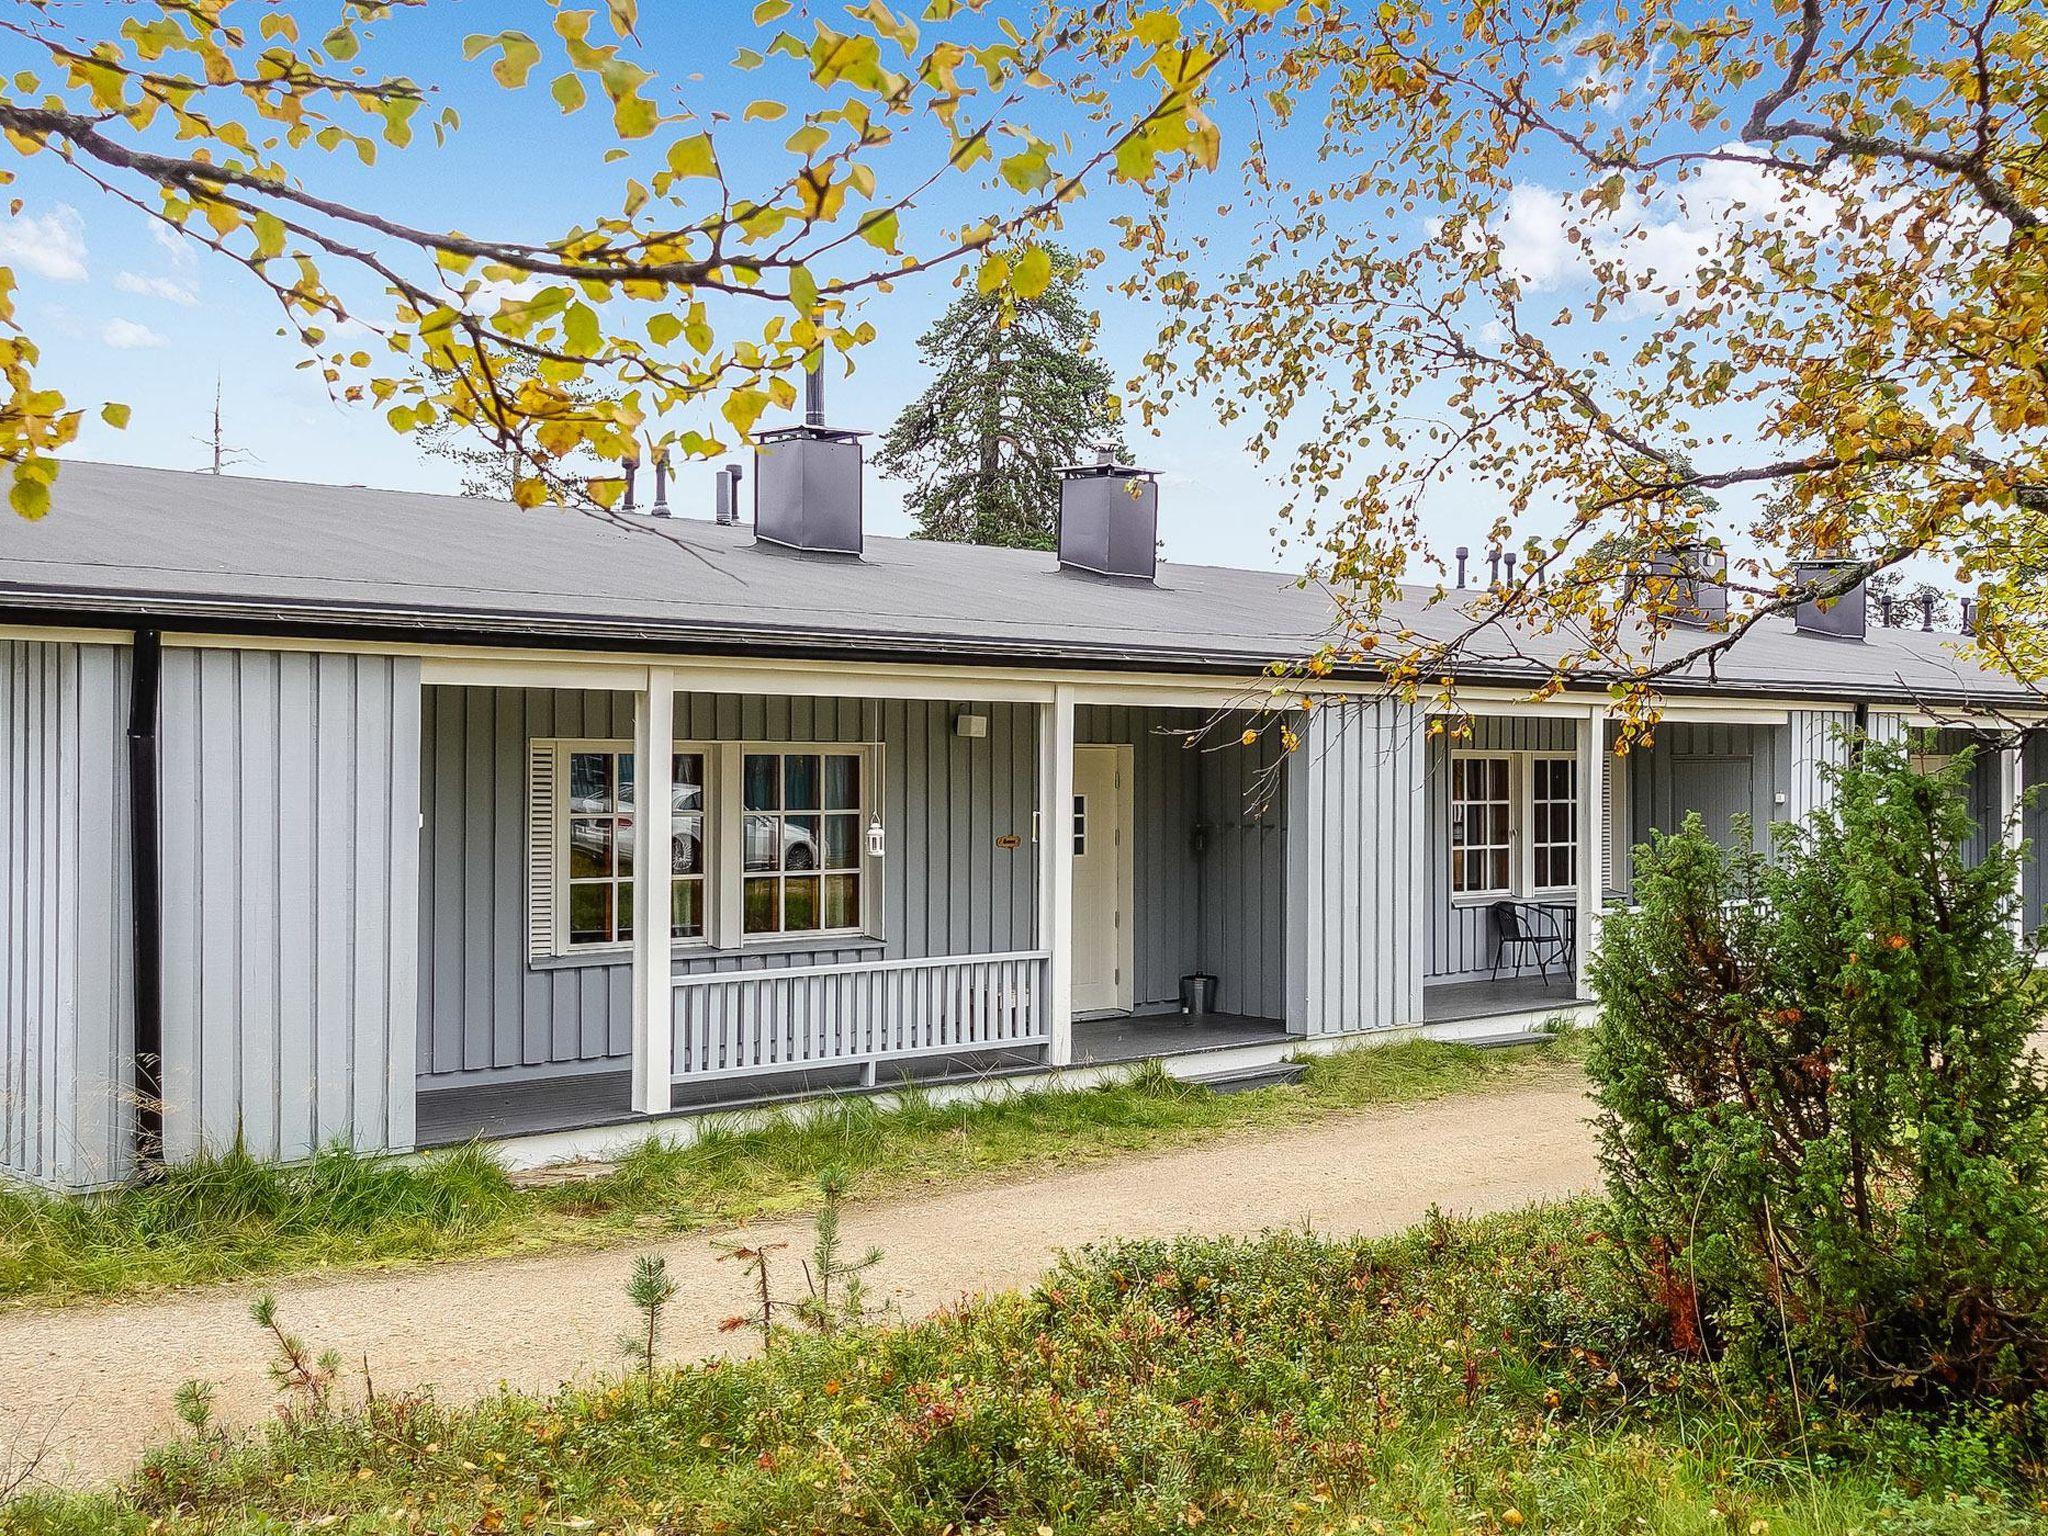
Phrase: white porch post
{"type": "Point", "coordinates": [1056, 867]}
{"type": "Point", "coordinates": [2012, 789]}
{"type": "Point", "coordinates": [653, 985]}
{"type": "Point", "coordinates": [1594, 763]}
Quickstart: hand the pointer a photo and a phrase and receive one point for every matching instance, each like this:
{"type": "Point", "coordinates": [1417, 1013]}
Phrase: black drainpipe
{"type": "Point", "coordinates": [146, 899]}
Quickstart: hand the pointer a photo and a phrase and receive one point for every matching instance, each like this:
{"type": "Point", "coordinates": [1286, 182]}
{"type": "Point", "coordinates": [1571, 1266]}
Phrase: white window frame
{"type": "Point", "coordinates": [1521, 845]}
{"type": "Point", "coordinates": [724, 822]}
{"type": "Point", "coordinates": [1572, 844]}
{"type": "Point", "coordinates": [563, 749]}
{"type": "Point", "coordinates": [863, 813]}
{"type": "Point", "coordinates": [1452, 848]}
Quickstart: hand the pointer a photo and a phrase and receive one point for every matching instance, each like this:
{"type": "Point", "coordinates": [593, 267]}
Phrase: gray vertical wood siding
{"type": "Point", "coordinates": [2034, 826]}
{"type": "Point", "coordinates": [1718, 770]}
{"type": "Point", "coordinates": [1209, 861]}
{"type": "Point", "coordinates": [66, 1112]}
{"type": "Point", "coordinates": [1356, 835]}
{"type": "Point", "coordinates": [946, 888]}
{"type": "Point", "coordinates": [291, 881]}
{"type": "Point", "coordinates": [1460, 934]}
{"type": "Point", "coordinates": [1818, 740]}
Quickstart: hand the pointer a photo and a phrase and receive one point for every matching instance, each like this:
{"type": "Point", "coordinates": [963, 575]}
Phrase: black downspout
{"type": "Point", "coordinates": [146, 899]}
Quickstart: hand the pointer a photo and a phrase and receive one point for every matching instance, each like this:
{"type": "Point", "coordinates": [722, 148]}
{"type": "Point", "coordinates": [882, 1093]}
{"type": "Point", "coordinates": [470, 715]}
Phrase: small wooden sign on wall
{"type": "Point", "coordinates": [1009, 840]}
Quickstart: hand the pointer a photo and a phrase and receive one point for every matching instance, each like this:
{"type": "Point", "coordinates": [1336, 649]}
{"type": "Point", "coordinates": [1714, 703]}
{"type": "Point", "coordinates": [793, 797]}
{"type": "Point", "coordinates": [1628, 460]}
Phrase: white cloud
{"type": "Point", "coordinates": [156, 288]}
{"type": "Point", "coordinates": [173, 244]}
{"type": "Point", "coordinates": [1666, 239]}
{"type": "Point", "coordinates": [51, 245]}
{"type": "Point", "coordinates": [128, 336]}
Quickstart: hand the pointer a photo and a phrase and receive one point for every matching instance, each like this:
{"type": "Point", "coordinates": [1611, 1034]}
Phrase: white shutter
{"type": "Point", "coordinates": [1613, 823]}
{"type": "Point", "coordinates": [541, 767]}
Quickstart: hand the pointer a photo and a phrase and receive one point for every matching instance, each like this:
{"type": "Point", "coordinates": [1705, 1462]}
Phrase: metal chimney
{"type": "Point", "coordinates": [814, 393]}
{"type": "Point", "coordinates": [807, 481]}
{"type": "Point", "coordinates": [728, 503]}
{"type": "Point", "coordinates": [1691, 581]}
{"type": "Point", "coordinates": [632, 468]}
{"type": "Point", "coordinates": [1464, 554]}
{"type": "Point", "coordinates": [660, 507]}
{"type": "Point", "coordinates": [1843, 617]}
{"type": "Point", "coordinates": [1109, 518]}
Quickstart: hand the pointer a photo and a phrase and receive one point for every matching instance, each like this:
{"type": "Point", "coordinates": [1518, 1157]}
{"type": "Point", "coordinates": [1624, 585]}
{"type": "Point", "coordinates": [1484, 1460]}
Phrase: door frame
{"type": "Point", "coordinates": [1126, 873]}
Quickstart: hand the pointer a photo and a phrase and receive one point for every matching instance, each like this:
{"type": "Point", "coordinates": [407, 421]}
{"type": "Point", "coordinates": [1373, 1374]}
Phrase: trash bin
{"type": "Point", "coordinates": [1197, 995]}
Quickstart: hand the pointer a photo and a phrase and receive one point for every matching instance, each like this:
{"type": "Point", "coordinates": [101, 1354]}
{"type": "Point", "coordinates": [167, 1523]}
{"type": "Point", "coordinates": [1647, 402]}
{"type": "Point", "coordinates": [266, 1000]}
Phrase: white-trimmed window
{"type": "Point", "coordinates": [600, 844]}
{"type": "Point", "coordinates": [767, 844]}
{"type": "Point", "coordinates": [1553, 823]}
{"type": "Point", "coordinates": [802, 840]}
{"type": "Point", "coordinates": [1514, 825]}
{"type": "Point", "coordinates": [1482, 828]}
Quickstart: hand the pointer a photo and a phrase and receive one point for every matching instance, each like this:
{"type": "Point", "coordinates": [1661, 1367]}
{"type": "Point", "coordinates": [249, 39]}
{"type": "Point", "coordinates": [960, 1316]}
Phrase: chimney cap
{"type": "Point", "coordinates": [806, 429]}
{"type": "Point", "coordinates": [1100, 467]}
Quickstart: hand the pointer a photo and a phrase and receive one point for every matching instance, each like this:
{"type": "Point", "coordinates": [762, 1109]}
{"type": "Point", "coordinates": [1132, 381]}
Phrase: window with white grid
{"type": "Point", "coordinates": [1482, 837]}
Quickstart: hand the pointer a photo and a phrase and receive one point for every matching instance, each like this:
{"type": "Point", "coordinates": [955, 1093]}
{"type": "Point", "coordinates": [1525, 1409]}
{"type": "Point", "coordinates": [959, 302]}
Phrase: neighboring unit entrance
{"type": "Point", "coordinates": [1102, 879]}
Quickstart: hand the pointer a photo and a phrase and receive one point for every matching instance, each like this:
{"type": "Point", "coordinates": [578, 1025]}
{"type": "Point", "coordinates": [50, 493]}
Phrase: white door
{"type": "Point", "coordinates": [1102, 965]}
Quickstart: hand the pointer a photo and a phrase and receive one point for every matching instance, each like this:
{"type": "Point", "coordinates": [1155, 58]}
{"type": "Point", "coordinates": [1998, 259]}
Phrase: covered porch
{"type": "Point", "coordinates": [864, 889]}
{"type": "Point", "coordinates": [537, 1106]}
{"type": "Point", "coordinates": [1516, 799]}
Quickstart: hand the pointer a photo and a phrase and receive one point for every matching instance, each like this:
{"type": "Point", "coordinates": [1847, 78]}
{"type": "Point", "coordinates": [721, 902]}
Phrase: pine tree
{"type": "Point", "coordinates": [1015, 396]}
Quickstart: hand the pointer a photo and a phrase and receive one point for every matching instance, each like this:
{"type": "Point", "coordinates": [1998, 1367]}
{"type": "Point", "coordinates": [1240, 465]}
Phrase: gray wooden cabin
{"type": "Point", "coordinates": [323, 809]}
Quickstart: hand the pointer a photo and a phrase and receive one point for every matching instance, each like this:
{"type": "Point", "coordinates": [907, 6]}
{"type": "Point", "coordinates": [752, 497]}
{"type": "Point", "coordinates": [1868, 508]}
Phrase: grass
{"type": "Point", "coordinates": [231, 1216]}
{"type": "Point", "coordinates": [1488, 1377]}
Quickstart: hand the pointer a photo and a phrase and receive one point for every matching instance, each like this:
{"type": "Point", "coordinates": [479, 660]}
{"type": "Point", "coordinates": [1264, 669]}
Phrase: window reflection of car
{"type": "Point", "coordinates": [799, 847]}
{"type": "Point", "coordinates": [591, 840]}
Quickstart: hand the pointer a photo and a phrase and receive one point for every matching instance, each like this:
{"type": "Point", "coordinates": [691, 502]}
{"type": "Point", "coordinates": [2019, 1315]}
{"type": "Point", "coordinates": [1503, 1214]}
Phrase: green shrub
{"type": "Point", "coordinates": [1822, 1127]}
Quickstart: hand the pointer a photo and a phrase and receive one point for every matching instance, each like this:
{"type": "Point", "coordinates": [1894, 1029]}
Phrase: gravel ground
{"type": "Point", "coordinates": [91, 1384]}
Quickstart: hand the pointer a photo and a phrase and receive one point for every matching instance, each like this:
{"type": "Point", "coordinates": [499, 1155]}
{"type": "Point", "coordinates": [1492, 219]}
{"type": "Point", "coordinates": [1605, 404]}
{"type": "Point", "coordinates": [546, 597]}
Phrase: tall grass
{"type": "Point", "coordinates": [228, 1216]}
{"type": "Point", "coordinates": [219, 1217]}
{"type": "Point", "coordinates": [1462, 1379]}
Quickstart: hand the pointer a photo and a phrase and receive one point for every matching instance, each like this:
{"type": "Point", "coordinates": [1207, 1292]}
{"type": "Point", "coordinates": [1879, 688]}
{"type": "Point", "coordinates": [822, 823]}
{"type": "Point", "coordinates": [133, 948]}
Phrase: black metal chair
{"type": "Point", "coordinates": [1526, 927]}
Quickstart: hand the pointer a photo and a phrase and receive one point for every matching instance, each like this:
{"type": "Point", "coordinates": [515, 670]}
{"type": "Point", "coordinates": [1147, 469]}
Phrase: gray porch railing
{"type": "Point", "coordinates": [730, 1023]}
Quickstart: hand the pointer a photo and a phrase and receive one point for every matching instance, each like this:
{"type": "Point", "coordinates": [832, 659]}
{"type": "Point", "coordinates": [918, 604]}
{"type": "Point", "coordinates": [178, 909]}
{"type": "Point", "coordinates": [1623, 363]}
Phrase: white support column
{"type": "Point", "coordinates": [2012, 790]}
{"type": "Point", "coordinates": [1056, 866]}
{"type": "Point", "coordinates": [1594, 765]}
{"type": "Point", "coordinates": [654, 714]}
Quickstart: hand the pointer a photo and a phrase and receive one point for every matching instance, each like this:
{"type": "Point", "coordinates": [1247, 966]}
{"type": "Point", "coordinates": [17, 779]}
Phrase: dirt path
{"type": "Point", "coordinates": [94, 1382]}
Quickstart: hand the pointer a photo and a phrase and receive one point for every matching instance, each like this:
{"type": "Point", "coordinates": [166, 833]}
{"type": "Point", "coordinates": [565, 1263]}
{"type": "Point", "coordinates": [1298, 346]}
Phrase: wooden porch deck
{"type": "Point", "coordinates": [581, 1101]}
{"type": "Point", "coordinates": [1455, 1001]}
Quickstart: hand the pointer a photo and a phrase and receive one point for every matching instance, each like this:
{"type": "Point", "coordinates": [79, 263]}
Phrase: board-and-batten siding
{"type": "Point", "coordinates": [1460, 933]}
{"type": "Point", "coordinates": [1356, 836]}
{"type": "Point", "coordinates": [1719, 770]}
{"type": "Point", "coordinates": [66, 1113]}
{"type": "Point", "coordinates": [290, 884]}
{"type": "Point", "coordinates": [1220, 909]}
{"type": "Point", "coordinates": [2034, 827]}
{"type": "Point", "coordinates": [1817, 740]}
{"type": "Point", "coordinates": [946, 888]}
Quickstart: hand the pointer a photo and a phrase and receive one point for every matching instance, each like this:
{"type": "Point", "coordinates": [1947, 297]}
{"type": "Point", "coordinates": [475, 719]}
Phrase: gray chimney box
{"type": "Point", "coordinates": [1698, 574]}
{"type": "Point", "coordinates": [1109, 519]}
{"type": "Point", "coordinates": [807, 489]}
{"type": "Point", "coordinates": [1842, 618]}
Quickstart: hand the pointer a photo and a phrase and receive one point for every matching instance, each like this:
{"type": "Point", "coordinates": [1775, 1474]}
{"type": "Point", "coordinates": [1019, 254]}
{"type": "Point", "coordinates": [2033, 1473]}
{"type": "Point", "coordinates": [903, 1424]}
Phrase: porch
{"type": "Point", "coordinates": [863, 891]}
{"type": "Point", "coordinates": [537, 1106]}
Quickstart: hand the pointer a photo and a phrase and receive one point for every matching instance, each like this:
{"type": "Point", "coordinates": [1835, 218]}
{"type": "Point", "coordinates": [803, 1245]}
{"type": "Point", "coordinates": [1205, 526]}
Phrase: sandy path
{"type": "Point", "coordinates": [94, 1382]}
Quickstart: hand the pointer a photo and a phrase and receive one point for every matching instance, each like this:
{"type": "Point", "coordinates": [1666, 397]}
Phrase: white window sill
{"type": "Point", "coordinates": [699, 949]}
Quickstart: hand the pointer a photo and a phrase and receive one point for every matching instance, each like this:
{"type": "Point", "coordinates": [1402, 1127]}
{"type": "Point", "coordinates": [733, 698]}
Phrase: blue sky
{"type": "Point", "coordinates": [126, 313]}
